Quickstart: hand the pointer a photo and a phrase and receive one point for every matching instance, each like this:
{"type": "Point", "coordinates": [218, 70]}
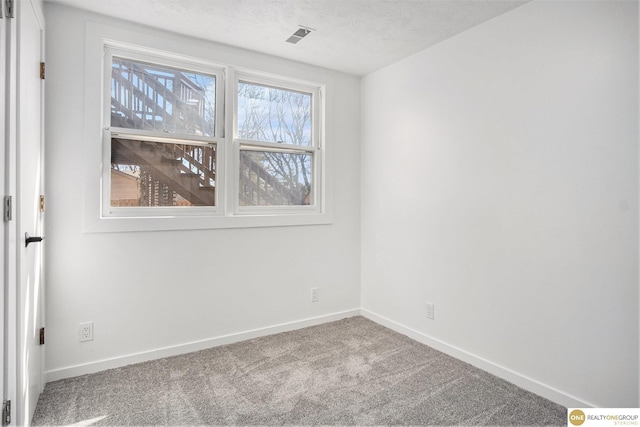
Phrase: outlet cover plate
{"type": "Point", "coordinates": [86, 331]}
{"type": "Point", "coordinates": [430, 311]}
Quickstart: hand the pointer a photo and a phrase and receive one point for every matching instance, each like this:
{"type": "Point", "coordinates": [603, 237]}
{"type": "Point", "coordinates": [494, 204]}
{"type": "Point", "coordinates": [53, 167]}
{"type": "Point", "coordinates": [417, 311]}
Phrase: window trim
{"type": "Point", "coordinates": [171, 61]}
{"type": "Point", "coordinates": [315, 149]}
{"type": "Point", "coordinates": [194, 52]}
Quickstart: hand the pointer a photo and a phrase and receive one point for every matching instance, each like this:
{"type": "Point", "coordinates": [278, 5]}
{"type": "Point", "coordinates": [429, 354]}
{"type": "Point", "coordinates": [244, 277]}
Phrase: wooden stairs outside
{"type": "Point", "coordinates": [169, 170]}
{"type": "Point", "coordinates": [176, 174]}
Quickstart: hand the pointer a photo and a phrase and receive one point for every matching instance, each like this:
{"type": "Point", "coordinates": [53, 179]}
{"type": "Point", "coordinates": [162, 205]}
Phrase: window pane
{"type": "Point", "coordinates": [158, 174]}
{"type": "Point", "coordinates": [155, 97]}
{"type": "Point", "coordinates": [275, 179]}
{"type": "Point", "coordinates": [273, 115]}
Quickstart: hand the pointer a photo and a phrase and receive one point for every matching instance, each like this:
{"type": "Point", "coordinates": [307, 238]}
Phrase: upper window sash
{"type": "Point", "coordinates": [198, 69]}
{"type": "Point", "coordinates": [300, 97]}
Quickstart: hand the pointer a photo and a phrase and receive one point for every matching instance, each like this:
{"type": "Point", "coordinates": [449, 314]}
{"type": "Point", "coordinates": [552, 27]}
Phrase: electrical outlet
{"type": "Point", "coordinates": [430, 309]}
{"type": "Point", "coordinates": [86, 331]}
{"type": "Point", "coordinates": [314, 294]}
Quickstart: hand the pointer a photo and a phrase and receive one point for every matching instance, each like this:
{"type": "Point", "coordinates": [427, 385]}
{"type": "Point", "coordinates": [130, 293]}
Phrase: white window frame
{"type": "Point", "coordinates": [109, 132]}
{"type": "Point", "coordinates": [203, 57]}
{"type": "Point", "coordinates": [315, 149]}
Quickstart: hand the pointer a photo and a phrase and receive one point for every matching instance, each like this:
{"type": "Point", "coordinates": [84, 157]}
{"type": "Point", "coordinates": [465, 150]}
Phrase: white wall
{"type": "Point", "coordinates": [152, 290]}
{"type": "Point", "coordinates": [500, 182]}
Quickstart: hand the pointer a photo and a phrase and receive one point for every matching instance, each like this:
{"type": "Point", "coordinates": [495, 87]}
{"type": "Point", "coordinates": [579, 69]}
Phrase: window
{"type": "Point", "coordinates": [278, 144]}
{"type": "Point", "coordinates": [191, 142]}
{"type": "Point", "coordinates": [162, 136]}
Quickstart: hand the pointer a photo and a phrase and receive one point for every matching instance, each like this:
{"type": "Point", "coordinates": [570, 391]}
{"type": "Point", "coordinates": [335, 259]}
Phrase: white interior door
{"type": "Point", "coordinates": [30, 381]}
{"type": "Point", "coordinates": [21, 155]}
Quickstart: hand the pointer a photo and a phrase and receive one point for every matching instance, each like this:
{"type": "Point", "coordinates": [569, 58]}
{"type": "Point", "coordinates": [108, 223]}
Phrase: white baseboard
{"type": "Point", "coordinates": [520, 380]}
{"type": "Point", "coordinates": [116, 362]}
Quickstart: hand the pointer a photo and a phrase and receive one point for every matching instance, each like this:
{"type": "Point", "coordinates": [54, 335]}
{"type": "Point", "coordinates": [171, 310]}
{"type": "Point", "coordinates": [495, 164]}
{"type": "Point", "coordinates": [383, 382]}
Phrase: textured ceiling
{"type": "Point", "coordinates": [353, 36]}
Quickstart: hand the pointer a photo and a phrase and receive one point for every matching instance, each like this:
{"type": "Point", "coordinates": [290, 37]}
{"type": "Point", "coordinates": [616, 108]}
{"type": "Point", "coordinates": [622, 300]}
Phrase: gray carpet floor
{"type": "Point", "coordinates": [349, 372]}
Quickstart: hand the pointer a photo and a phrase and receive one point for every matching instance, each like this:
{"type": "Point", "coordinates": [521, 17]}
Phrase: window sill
{"type": "Point", "coordinates": [169, 223]}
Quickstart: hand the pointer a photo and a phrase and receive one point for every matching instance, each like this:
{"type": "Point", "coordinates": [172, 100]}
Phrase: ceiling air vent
{"type": "Point", "coordinates": [300, 34]}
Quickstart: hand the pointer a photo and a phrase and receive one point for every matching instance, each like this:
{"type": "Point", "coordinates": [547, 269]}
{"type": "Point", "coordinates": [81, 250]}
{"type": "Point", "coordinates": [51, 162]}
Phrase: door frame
{"type": "Point", "coordinates": [3, 229]}
{"type": "Point", "coordinates": [9, 179]}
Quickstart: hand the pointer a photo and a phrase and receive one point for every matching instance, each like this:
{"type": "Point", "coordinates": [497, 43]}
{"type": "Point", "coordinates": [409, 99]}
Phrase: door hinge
{"type": "Point", "coordinates": [9, 4]}
{"type": "Point", "coordinates": [6, 412]}
{"type": "Point", "coordinates": [8, 208]}
{"type": "Point", "coordinates": [42, 203]}
{"type": "Point", "coordinates": [41, 336]}
{"type": "Point", "coordinates": [42, 69]}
